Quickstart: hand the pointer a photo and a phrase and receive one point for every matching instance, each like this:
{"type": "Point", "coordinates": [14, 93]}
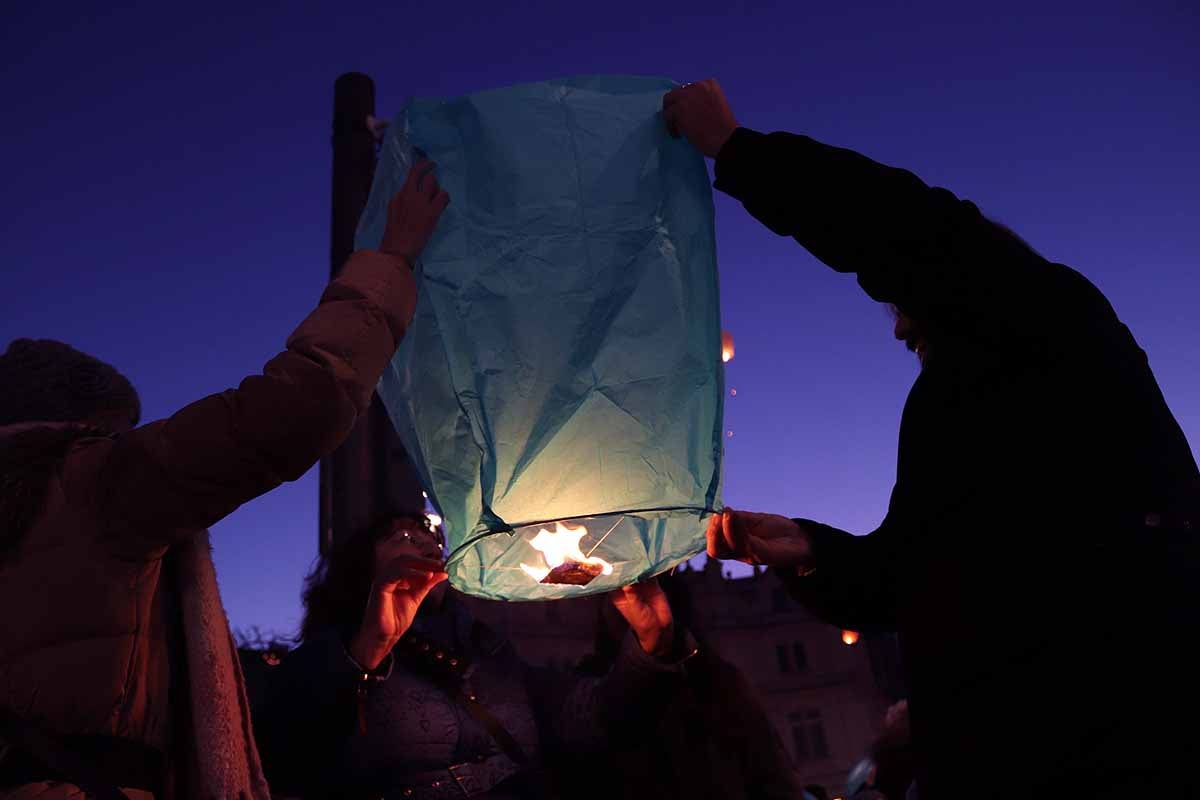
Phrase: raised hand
{"type": "Point", "coordinates": [645, 608]}
{"type": "Point", "coordinates": [413, 213]}
{"type": "Point", "coordinates": [700, 113]}
{"type": "Point", "coordinates": [399, 588]}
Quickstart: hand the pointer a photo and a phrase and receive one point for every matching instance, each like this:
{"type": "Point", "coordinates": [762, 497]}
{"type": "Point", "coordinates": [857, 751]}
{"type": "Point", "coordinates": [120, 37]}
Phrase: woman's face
{"type": "Point", "coordinates": [409, 538]}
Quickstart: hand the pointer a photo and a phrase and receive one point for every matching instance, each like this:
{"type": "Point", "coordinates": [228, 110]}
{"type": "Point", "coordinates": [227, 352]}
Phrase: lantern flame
{"type": "Point", "coordinates": [850, 637]}
{"type": "Point", "coordinates": [561, 547]}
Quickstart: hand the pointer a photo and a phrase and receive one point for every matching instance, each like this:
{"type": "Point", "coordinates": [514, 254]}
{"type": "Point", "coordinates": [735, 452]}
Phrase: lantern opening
{"type": "Point", "coordinates": [620, 548]}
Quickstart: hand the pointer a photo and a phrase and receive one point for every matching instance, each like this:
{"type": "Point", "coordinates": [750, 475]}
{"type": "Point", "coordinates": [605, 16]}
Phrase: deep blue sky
{"type": "Point", "coordinates": [167, 180]}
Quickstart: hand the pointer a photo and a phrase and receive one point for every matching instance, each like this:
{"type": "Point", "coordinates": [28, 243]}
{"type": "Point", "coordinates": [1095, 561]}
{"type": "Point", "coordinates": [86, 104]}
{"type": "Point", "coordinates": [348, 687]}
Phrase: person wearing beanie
{"type": "Point", "coordinates": [119, 677]}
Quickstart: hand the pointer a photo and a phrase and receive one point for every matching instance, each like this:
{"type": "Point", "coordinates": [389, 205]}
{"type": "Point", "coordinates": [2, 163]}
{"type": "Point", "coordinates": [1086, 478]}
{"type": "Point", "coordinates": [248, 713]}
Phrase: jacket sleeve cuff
{"type": "Point", "coordinates": [378, 675]}
{"type": "Point", "coordinates": [738, 161]}
{"type": "Point", "coordinates": [683, 648]}
{"type": "Point", "coordinates": [828, 552]}
{"type": "Point", "coordinates": [381, 279]}
{"type": "Point", "coordinates": [828, 543]}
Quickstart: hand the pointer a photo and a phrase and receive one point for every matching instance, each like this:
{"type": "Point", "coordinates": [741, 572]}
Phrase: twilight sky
{"type": "Point", "coordinates": [167, 180]}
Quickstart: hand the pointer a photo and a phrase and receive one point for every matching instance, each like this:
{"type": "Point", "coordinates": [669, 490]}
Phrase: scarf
{"type": "Point", "coordinates": [225, 762]}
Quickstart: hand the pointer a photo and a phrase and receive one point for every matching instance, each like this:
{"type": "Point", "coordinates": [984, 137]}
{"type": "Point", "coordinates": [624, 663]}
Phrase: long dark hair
{"type": "Point", "coordinates": [336, 591]}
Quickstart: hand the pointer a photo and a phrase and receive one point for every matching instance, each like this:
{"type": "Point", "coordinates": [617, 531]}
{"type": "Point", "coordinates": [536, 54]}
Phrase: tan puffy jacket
{"type": "Point", "coordinates": [85, 619]}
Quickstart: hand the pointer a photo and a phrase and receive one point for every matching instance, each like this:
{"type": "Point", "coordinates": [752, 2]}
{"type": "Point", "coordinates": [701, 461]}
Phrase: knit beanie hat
{"type": "Point", "coordinates": [42, 380]}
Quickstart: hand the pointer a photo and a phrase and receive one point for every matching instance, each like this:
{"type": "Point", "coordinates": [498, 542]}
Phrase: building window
{"type": "Point", "coordinates": [808, 736]}
{"type": "Point", "coordinates": [794, 659]}
{"type": "Point", "coordinates": [799, 656]}
{"type": "Point", "coordinates": [816, 736]}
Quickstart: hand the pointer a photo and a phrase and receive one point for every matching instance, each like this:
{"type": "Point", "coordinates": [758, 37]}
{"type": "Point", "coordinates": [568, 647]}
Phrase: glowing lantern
{"type": "Point", "coordinates": [726, 346]}
{"type": "Point", "coordinates": [556, 389]}
{"type": "Point", "coordinates": [850, 637]}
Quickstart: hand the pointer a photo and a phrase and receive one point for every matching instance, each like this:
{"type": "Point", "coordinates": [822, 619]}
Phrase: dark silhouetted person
{"type": "Point", "coordinates": [117, 668]}
{"type": "Point", "coordinates": [713, 739]}
{"type": "Point", "coordinates": [1038, 557]}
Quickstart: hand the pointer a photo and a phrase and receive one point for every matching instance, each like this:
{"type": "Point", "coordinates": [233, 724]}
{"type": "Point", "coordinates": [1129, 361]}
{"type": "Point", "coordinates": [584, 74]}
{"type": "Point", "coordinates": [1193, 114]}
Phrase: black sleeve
{"type": "Point", "coordinates": [853, 585]}
{"type": "Point", "coordinates": [934, 256]}
{"type": "Point", "coordinates": [310, 711]}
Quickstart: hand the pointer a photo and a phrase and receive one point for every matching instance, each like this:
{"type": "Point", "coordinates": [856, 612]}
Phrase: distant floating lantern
{"type": "Point", "coordinates": [556, 390]}
{"type": "Point", "coordinates": [726, 346]}
{"type": "Point", "coordinates": [850, 637]}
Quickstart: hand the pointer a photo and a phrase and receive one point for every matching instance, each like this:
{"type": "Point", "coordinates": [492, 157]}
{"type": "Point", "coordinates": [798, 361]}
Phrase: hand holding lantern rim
{"type": "Point", "coordinates": [413, 213]}
{"type": "Point", "coordinates": [399, 588]}
{"type": "Point", "coordinates": [755, 538]}
{"type": "Point", "coordinates": [700, 113]}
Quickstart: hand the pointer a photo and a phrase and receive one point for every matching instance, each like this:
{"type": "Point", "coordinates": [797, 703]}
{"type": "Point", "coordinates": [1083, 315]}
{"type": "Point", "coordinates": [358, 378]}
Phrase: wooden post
{"type": "Point", "coordinates": [369, 475]}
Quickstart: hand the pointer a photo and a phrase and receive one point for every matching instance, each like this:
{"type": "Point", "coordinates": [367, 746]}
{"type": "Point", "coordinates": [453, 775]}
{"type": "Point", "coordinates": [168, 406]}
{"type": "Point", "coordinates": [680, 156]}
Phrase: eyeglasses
{"type": "Point", "coordinates": [417, 535]}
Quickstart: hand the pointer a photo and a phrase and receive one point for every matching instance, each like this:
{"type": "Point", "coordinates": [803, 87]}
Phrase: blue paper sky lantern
{"type": "Point", "coordinates": [560, 390]}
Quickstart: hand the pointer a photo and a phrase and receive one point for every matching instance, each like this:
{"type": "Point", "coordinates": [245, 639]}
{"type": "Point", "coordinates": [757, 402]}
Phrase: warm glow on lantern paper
{"type": "Point", "coordinates": [560, 365]}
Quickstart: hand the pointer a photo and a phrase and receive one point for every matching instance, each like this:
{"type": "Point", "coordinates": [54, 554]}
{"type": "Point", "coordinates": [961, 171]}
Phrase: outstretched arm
{"type": "Point", "coordinates": [923, 249]}
{"type": "Point", "coordinates": [852, 581]}
{"type": "Point", "coordinates": [920, 248]}
{"type": "Point", "coordinates": [171, 477]}
{"type": "Point", "coordinates": [168, 478]}
{"type": "Point", "coordinates": [846, 580]}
